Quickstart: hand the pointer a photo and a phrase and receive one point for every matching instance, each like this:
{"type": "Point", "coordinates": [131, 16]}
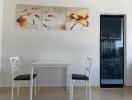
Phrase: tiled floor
{"type": "Point", "coordinates": [79, 94]}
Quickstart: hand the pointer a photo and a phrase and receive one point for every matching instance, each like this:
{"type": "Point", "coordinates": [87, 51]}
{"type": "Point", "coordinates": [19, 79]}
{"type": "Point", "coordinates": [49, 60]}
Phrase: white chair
{"type": "Point", "coordinates": [85, 77]}
{"type": "Point", "coordinates": [16, 76]}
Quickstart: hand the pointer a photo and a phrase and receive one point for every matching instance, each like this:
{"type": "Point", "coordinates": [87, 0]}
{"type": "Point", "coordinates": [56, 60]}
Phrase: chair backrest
{"type": "Point", "coordinates": [88, 66]}
{"type": "Point", "coordinates": [15, 66]}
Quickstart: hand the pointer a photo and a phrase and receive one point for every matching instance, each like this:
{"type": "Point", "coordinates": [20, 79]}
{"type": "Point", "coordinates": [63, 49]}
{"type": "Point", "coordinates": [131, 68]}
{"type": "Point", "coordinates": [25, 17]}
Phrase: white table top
{"type": "Point", "coordinates": [51, 63]}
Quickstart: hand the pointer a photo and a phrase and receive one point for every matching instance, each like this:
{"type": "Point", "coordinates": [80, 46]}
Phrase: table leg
{"type": "Point", "coordinates": [67, 79]}
{"type": "Point", "coordinates": [31, 84]}
{"type": "Point", "coordinates": [70, 85]}
{"type": "Point", "coordinates": [38, 76]}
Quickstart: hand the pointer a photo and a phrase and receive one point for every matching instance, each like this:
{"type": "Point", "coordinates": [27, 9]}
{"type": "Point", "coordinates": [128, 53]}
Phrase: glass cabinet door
{"type": "Point", "coordinates": [111, 50]}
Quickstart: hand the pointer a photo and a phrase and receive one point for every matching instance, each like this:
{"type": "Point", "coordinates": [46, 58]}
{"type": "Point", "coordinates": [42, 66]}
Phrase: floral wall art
{"type": "Point", "coordinates": [76, 19]}
{"type": "Point", "coordinates": [28, 16]}
{"type": "Point", "coordinates": [52, 18]}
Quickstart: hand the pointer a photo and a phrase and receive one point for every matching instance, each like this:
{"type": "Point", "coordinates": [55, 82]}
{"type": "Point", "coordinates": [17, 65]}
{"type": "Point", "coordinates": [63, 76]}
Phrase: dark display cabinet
{"type": "Point", "coordinates": [111, 50]}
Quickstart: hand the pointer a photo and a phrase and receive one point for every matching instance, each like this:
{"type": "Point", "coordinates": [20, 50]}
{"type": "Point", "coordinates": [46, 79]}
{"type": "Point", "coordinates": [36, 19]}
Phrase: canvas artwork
{"type": "Point", "coordinates": [53, 18]}
{"type": "Point", "coordinates": [28, 16]}
{"type": "Point", "coordinates": [77, 19]}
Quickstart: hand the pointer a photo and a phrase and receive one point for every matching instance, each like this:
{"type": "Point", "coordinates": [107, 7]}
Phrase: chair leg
{"type": "Point", "coordinates": [90, 95]}
{"type": "Point", "coordinates": [35, 83]}
{"type": "Point", "coordinates": [38, 88]}
{"type": "Point", "coordinates": [72, 87]}
{"type": "Point", "coordinates": [18, 88]}
{"type": "Point", "coordinates": [38, 76]}
{"type": "Point", "coordinates": [86, 87]}
{"type": "Point", "coordinates": [12, 90]}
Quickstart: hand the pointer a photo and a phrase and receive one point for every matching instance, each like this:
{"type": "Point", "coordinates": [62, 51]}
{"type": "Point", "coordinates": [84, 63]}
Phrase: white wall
{"type": "Point", "coordinates": [31, 43]}
{"type": "Point", "coordinates": [1, 23]}
{"type": "Point", "coordinates": [129, 43]}
{"type": "Point", "coordinates": [1, 20]}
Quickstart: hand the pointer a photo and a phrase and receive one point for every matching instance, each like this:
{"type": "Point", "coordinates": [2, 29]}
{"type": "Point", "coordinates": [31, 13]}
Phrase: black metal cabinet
{"type": "Point", "coordinates": [111, 50]}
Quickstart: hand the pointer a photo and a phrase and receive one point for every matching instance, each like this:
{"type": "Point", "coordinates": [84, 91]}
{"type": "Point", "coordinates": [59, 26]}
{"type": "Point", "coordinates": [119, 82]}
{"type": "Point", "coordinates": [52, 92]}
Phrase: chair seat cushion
{"type": "Point", "coordinates": [79, 77]}
{"type": "Point", "coordinates": [24, 77]}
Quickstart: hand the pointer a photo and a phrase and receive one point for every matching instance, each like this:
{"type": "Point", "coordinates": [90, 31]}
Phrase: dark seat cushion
{"type": "Point", "coordinates": [24, 77]}
{"type": "Point", "coordinates": [79, 77]}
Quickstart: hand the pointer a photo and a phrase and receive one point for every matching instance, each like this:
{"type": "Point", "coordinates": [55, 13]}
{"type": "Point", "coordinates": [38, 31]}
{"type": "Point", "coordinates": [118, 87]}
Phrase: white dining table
{"type": "Point", "coordinates": [52, 64]}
